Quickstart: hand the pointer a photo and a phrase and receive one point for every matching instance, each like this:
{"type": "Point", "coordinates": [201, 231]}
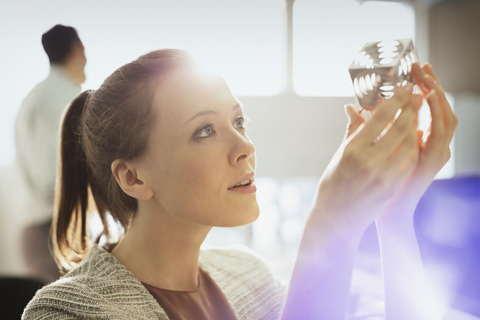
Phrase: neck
{"type": "Point", "coordinates": [74, 73]}
{"type": "Point", "coordinates": [161, 251]}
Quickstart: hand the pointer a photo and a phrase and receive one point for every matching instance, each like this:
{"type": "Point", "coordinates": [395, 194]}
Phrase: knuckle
{"type": "Point", "coordinates": [441, 135]}
{"type": "Point", "coordinates": [394, 103]}
{"type": "Point", "coordinates": [384, 116]}
{"type": "Point", "coordinates": [367, 166]}
{"type": "Point", "coordinates": [403, 123]}
{"type": "Point", "coordinates": [400, 125]}
{"type": "Point", "coordinates": [401, 96]}
{"type": "Point", "coordinates": [351, 155]}
{"type": "Point", "coordinates": [361, 163]}
{"type": "Point", "coordinates": [411, 142]}
{"type": "Point", "coordinates": [454, 121]}
{"type": "Point", "coordinates": [397, 101]}
{"type": "Point", "coordinates": [360, 166]}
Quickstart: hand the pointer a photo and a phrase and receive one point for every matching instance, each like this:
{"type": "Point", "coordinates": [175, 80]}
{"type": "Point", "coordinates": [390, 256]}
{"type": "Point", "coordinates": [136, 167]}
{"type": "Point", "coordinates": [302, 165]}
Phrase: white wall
{"type": "Point", "coordinates": [216, 32]}
{"type": "Point", "coordinates": [295, 136]}
{"type": "Point", "coordinates": [467, 135]}
{"type": "Point", "coordinates": [454, 44]}
{"type": "Point", "coordinates": [11, 217]}
{"type": "Point", "coordinates": [242, 40]}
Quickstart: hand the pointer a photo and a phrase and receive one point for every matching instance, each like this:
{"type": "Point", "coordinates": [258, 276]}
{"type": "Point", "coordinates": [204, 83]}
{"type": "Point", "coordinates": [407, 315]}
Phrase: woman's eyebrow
{"type": "Point", "coordinates": [207, 112]}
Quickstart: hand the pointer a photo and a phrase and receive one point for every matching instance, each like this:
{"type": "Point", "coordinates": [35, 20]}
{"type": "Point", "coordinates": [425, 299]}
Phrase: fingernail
{"type": "Point", "coordinates": [430, 94]}
{"type": "Point", "coordinates": [409, 87]}
{"type": "Point", "coordinates": [429, 82]}
{"type": "Point", "coordinates": [347, 110]}
{"type": "Point", "coordinates": [416, 67]}
{"type": "Point", "coordinates": [417, 100]}
{"type": "Point", "coordinates": [424, 87]}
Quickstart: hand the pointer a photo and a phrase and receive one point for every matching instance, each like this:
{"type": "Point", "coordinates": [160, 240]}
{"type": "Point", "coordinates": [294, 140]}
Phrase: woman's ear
{"type": "Point", "coordinates": [126, 176]}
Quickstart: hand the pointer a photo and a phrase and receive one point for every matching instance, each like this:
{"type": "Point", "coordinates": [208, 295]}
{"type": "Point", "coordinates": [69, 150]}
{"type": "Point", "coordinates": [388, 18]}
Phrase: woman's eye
{"type": "Point", "coordinates": [240, 122]}
{"type": "Point", "coordinates": [205, 132]}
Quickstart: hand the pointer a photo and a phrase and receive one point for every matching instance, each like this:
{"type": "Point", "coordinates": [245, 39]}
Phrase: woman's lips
{"type": "Point", "coordinates": [249, 176]}
{"type": "Point", "coordinates": [249, 188]}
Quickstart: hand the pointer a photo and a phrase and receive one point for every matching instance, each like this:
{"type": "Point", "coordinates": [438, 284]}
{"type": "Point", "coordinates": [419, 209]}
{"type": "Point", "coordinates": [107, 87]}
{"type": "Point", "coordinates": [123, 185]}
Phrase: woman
{"type": "Point", "coordinates": [161, 146]}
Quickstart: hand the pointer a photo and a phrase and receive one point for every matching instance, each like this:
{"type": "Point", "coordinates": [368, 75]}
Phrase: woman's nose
{"type": "Point", "coordinates": [242, 149]}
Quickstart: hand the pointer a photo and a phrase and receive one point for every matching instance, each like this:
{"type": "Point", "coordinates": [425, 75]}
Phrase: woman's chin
{"type": "Point", "coordinates": [242, 218]}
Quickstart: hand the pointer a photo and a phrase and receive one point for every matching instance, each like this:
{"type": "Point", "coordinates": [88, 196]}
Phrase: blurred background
{"type": "Point", "coordinates": [287, 61]}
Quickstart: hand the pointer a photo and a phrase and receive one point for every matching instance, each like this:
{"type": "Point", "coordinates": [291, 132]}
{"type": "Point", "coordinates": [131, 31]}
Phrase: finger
{"type": "Point", "coordinates": [403, 160]}
{"type": "Point", "coordinates": [434, 84]}
{"type": "Point", "coordinates": [426, 78]}
{"type": "Point", "coordinates": [384, 114]}
{"type": "Point", "coordinates": [437, 126]}
{"type": "Point", "coordinates": [428, 81]}
{"type": "Point", "coordinates": [441, 134]}
{"type": "Point", "coordinates": [355, 119]}
{"type": "Point", "coordinates": [418, 75]}
{"type": "Point", "coordinates": [400, 128]}
{"type": "Point", "coordinates": [428, 69]}
{"type": "Point", "coordinates": [423, 79]}
{"type": "Point", "coordinates": [419, 137]}
{"type": "Point", "coordinates": [448, 117]}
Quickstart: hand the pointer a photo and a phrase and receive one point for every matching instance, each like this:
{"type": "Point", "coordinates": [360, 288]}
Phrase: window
{"type": "Point", "coordinates": [328, 34]}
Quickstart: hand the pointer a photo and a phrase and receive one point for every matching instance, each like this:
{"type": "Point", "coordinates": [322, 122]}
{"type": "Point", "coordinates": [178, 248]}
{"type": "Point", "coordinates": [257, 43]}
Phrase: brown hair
{"type": "Point", "coordinates": [99, 127]}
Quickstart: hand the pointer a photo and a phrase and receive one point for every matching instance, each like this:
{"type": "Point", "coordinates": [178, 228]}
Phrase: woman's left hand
{"type": "Point", "coordinates": [434, 145]}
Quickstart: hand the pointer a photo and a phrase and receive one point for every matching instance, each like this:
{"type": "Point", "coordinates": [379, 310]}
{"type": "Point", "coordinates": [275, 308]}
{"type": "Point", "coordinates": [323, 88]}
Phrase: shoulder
{"type": "Point", "coordinates": [35, 97]}
{"type": "Point", "coordinates": [235, 259]}
{"type": "Point", "coordinates": [52, 94]}
{"type": "Point", "coordinates": [96, 289]}
{"type": "Point", "coordinates": [63, 299]}
{"type": "Point", "coordinates": [247, 282]}
{"type": "Point", "coordinates": [235, 262]}
{"type": "Point", "coordinates": [230, 254]}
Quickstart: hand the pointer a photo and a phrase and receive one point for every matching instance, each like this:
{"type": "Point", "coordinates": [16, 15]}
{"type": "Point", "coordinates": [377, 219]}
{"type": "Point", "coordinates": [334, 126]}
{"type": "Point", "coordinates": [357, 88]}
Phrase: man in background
{"type": "Point", "coordinates": [36, 135]}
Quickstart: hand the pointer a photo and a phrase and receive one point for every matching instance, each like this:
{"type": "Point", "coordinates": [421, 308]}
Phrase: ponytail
{"type": "Point", "coordinates": [70, 236]}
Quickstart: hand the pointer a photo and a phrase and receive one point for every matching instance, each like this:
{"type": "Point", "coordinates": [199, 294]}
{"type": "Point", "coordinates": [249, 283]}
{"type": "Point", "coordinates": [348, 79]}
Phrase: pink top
{"type": "Point", "coordinates": [204, 303]}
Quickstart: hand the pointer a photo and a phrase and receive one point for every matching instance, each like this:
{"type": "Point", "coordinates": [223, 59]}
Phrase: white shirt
{"type": "Point", "coordinates": [36, 135]}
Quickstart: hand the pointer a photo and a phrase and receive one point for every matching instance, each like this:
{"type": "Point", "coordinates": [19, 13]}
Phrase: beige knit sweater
{"type": "Point", "coordinates": [102, 288]}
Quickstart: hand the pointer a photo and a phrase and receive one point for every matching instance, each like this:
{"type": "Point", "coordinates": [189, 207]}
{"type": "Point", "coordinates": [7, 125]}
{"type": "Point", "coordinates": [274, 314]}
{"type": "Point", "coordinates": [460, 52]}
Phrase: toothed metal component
{"type": "Point", "coordinates": [379, 67]}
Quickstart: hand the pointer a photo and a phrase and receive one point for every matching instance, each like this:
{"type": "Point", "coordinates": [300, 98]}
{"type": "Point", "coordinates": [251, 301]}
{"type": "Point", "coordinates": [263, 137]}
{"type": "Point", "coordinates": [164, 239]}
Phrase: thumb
{"type": "Point", "coordinates": [355, 119]}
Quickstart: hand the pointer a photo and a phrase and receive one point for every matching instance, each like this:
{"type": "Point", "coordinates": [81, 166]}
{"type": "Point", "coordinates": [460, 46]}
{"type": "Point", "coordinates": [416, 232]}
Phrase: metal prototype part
{"type": "Point", "coordinates": [379, 67]}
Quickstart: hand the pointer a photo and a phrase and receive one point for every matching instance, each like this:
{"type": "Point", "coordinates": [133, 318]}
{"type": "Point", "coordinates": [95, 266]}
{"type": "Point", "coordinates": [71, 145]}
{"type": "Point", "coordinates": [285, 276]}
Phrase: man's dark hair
{"type": "Point", "coordinates": [58, 41]}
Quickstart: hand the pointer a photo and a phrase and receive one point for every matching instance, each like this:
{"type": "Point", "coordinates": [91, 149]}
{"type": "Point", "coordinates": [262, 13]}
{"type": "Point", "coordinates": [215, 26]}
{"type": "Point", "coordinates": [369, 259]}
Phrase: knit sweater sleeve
{"type": "Point", "coordinates": [67, 299]}
{"type": "Point", "coordinates": [62, 300]}
{"type": "Point", "coordinates": [48, 315]}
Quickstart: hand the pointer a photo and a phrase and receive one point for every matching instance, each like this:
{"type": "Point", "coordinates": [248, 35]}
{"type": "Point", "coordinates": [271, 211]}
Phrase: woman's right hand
{"type": "Point", "coordinates": [371, 165]}
{"type": "Point", "coordinates": [368, 169]}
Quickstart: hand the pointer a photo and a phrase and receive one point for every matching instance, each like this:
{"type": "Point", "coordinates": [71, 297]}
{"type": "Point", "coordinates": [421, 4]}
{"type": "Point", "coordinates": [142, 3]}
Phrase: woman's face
{"type": "Point", "coordinates": [198, 151]}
